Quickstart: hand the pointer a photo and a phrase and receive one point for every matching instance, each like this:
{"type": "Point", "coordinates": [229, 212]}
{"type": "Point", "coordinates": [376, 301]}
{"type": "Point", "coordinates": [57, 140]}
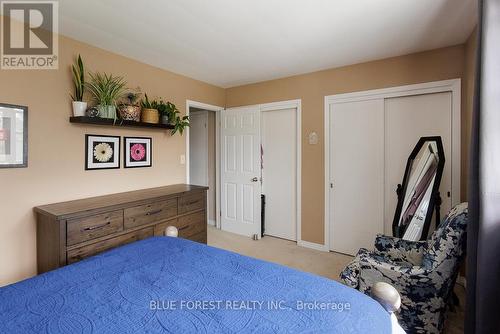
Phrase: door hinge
{"type": "Point", "coordinates": [331, 185]}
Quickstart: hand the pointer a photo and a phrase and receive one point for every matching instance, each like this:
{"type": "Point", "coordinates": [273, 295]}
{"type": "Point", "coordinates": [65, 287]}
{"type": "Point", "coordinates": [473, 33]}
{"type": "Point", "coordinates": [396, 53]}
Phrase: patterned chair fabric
{"type": "Point", "coordinates": [424, 272]}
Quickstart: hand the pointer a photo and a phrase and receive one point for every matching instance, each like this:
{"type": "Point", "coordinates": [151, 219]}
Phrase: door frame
{"type": "Point", "coordinates": [217, 110]}
{"type": "Point", "coordinates": [297, 105]}
{"type": "Point", "coordinates": [452, 85]}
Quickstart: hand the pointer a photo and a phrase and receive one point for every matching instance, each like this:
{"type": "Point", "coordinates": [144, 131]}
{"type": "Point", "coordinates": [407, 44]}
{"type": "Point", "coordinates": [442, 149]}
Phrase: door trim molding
{"type": "Point", "coordinates": [453, 86]}
{"type": "Point", "coordinates": [217, 110]}
{"type": "Point", "coordinates": [297, 105]}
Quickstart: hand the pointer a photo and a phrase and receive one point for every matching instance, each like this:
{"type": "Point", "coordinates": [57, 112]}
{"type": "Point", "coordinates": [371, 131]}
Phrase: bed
{"type": "Point", "coordinates": [173, 285]}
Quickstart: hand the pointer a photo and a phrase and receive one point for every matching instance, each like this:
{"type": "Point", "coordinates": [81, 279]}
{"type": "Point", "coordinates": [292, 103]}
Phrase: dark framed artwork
{"type": "Point", "coordinates": [137, 152]}
{"type": "Point", "coordinates": [13, 136]}
{"type": "Point", "coordinates": [102, 152]}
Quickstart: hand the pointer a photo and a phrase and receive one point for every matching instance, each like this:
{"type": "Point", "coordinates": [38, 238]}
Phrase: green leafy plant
{"type": "Point", "coordinates": [106, 89]}
{"type": "Point", "coordinates": [78, 72]}
{"type": "Point", "coordinates": [147, 104]}
{"type": "Point", "coordinates": [167, 109]}
{"type": "Point", "coordinates": [180, 123]}
{"type": "Point", "coordinates": [174, 115]}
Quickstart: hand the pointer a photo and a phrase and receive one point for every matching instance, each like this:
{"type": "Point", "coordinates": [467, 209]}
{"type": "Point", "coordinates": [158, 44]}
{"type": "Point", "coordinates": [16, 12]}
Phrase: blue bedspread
{"type": "Point", "coordinates": [171, 285]}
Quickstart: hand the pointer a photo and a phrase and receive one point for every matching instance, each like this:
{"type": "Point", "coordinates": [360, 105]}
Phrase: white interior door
{"type": "Point", "coordinates": [356, 174]}
{"type": "Point", "coordinates": [240, 172]}
{"type": "Point", "coordinates": [407, 119]}
{"type": "Point", "coordinates": [198, 148]}
{"type": "Point", "coordinates": [279, 172]}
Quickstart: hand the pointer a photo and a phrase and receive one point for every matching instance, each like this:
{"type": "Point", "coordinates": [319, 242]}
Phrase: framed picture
{"type": "Point", "coordinates": [137, 152]}
{"type": "Point", "coordinates": [102, 152]}
{"type": "Point", "coordinates": [13, 136]}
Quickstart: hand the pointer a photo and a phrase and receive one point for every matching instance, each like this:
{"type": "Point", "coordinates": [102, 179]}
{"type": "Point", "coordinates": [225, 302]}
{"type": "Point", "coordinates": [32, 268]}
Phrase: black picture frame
{"type": "Point", "coordinates": [116, 153]}
{"type": "Point", "coordinates": [435, 199]}
{"type": "Point", "coordinates": [148, 162]}
{"type": "Point", "coordinates": [24, 110]}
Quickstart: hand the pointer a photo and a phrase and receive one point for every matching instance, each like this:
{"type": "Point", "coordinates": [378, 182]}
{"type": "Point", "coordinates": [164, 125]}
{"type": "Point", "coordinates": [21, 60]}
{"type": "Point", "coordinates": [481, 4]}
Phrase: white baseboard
{"type": "Point", "coordinates": [312, 245]}
{"type": "Point", "coordinates": [211, 222]}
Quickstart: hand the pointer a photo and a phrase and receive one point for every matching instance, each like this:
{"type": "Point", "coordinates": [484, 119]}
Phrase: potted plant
{"type": "Point", "coordinates": [106, 91]}
{"type": "Point", "coordinates": [149, 110]}
{"type": "Point", "coordinates": [167, 111]}
{"type": "Point", "coordinates": [131, 111]}
{"type": "Point", "coordinates": [179, 123]}
{"type": "Point", "coordinates": [78, 71]}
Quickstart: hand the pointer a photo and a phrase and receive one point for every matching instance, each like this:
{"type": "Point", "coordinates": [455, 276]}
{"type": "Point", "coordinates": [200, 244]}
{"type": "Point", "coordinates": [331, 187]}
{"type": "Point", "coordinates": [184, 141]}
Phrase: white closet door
{"type": "Point", "coordinates": [407, 119]}
{"type": "Point", "coordinates": [279, 173]}
{"type": "Point", "coordinates": [357, 174]}
{"type": "Point", "coordinates": [240, 174]}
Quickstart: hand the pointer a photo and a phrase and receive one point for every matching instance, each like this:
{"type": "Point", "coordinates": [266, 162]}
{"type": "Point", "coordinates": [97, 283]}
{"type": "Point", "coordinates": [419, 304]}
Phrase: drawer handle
{"type": "Point", "coordinates": [153, 212]}
{"type": "Point", "coordinates": [191, 203]}
{"type": "Point", "coordinates": [184, 227]}
{"type": "Point", "coordinates": [91, 228]}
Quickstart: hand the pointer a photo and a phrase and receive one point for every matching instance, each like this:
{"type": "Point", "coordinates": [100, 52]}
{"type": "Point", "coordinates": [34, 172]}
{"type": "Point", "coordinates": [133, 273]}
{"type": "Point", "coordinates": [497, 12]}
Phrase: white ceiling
{"type": "Point", "coordinates": [234, 42]}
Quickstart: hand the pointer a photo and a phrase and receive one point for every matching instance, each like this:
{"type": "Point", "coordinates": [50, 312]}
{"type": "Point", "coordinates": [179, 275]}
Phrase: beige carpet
{"type": "Point", "coordinates": [320, 263]}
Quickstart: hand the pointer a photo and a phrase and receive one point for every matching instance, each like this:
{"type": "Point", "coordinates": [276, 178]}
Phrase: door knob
{"type": "Point", "coordinates": [255, 179]}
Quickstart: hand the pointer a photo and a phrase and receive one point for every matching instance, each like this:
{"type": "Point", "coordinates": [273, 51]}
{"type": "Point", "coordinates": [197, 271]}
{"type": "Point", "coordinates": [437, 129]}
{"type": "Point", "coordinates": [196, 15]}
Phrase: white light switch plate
{"type": "Point", "coordinates": [313, 138]}
{"type": "Point", "coordinates": [183, 159]}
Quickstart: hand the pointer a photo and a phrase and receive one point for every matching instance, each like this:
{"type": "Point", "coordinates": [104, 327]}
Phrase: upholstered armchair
{"type": "Point", "coordinates": [423, 272]}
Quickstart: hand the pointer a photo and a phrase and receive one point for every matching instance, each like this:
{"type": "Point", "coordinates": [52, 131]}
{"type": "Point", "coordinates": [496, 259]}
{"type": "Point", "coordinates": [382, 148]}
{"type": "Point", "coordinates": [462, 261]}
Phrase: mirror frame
{"type": "Point", "coordinates": [401, 191]}
{"type": "Point", "coordinates": [25, 136]}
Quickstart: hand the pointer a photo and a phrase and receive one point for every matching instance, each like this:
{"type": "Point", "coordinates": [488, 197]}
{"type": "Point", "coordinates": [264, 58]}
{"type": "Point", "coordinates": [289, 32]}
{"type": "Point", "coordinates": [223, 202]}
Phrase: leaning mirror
{"type": "Point", "coordinates": [418, 195]}
{"type": "Point", "coordinates": [13, 136]}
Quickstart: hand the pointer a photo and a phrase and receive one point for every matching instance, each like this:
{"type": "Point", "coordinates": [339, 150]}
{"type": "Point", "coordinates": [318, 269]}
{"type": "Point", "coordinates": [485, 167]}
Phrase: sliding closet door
{"type": "Point", "coordinates": [406, 120]}
{"type": "Point", "coordinates": [356, 174]}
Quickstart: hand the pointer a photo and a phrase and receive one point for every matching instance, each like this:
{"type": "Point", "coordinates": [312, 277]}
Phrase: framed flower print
{"type": "Point", "coordinates": [138, 152]}
{"type": "Point", "coordinates": [102, 152]}
{"type": "Point", "coordinates": [13, 136]}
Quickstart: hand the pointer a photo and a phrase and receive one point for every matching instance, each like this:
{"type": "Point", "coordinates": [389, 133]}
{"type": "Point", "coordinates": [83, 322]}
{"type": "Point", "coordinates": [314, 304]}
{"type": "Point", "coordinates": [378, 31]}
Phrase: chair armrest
{"type": "Point", "coordinates": [399, 249]}
{"type": "Point", "coordinates": [385, 242]}
{"type": "Point", "coordinates": [375, 269]}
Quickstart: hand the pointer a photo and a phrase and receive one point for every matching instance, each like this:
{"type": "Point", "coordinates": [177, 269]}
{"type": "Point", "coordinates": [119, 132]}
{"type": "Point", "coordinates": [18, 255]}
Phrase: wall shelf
{"type": "Point", "coordinates": [118, 122]}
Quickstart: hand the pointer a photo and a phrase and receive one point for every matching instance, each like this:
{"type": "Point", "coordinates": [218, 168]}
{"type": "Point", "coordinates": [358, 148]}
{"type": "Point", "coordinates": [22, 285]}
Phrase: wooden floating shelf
{"type": "Point", "coordinates": [118, 122]}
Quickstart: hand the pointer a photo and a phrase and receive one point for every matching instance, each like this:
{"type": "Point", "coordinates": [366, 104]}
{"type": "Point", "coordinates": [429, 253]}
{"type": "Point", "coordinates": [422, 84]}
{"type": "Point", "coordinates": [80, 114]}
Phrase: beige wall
{"type": "Point", "coordinates": [56, 147]}
{"type": "Point", "coordinates": [447, 63]}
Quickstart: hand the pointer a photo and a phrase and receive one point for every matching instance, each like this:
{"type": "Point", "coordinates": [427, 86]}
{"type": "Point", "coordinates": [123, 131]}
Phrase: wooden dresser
{"type": "Point", "coordinates": [70, 231]}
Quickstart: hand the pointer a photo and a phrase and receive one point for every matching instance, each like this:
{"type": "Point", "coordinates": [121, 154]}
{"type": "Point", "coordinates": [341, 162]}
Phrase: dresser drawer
{"type": "Point", "coordinates": [88, 228]}
{"type": "Point", "coordinates": [192, 224]}
{"type": "Point", "coordinates": [78, 254]}
{"type": "Point", "coordinates": [200, 237]}
{"type": "Point", "coordinates": [150, 213]}
{"type": "Point", "coordinates": [192, 202]}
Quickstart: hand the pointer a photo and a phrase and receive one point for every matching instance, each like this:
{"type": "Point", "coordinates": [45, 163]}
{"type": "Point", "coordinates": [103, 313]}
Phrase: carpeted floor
{"type": "Point", "coordinates": [321, 263]}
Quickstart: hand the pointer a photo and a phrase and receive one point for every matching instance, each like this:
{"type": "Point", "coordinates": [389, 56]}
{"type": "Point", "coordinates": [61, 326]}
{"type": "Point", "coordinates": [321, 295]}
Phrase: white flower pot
{"type": "Point", "coordinates": [79, 108]}
{"type": "Point", "coordinates": [106, 111]}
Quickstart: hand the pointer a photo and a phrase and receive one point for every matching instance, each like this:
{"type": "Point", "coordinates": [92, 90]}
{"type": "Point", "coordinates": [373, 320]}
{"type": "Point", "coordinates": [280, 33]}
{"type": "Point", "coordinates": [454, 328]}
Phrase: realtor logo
{"type": "Point", "coordinates": [29, 35]}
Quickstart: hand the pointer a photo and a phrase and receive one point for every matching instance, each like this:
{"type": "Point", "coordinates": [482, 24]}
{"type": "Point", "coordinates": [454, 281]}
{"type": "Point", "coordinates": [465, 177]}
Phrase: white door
{"type": "Point", "coordinates": [198, 148]}
{"type": "Point", "coordinates": [279, 172]}
{"type": "Point", "coordinates": [240, 172]}
{"type": "Point", "coordinates": [356, 174]}
{"type": "Point", "coordinates": [406, 120]}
